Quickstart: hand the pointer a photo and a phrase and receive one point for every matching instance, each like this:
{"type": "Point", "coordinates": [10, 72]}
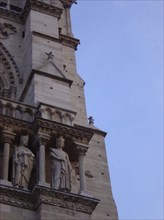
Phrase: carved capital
{"type": "Point", "coordinates": [8, 137]}
{"type": "Point", "coordinates": [42, 139]}
{"type": "Point", "coordinates": [82, 149]}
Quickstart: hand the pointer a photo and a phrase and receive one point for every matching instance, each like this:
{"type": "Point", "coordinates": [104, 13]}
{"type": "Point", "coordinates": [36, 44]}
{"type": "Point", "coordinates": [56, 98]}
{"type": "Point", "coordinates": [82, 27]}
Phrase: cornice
{"type": "Point", "coordinates": [31, 4]}
{"type": "Point", "coordinates": [39, 195]}
{"type": "Point", "coordinates": [92, 129]}
{"type": "Point", "coordinates": [64, 200]}
{"type": "Point", "coordinates": [46, 8]}
{"type": "Point", "coordinates": [77, 134]}
{"type": "Point", "coordinates": [50, 127]}
{"type": "Point", "coordinates": [11, 124]}
{"type": "Point", "coordinates": [63, 39]}
{"type": "Point", "coordinates": [69, 41]}
{"type": "Point", "coordinates": [16, 197]}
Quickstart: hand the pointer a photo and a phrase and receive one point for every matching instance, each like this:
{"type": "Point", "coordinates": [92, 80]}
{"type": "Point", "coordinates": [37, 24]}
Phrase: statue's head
{"type": "Point", "coordinates": [24, 140]}
{"type": "Point", "coordinates": [60, 142]}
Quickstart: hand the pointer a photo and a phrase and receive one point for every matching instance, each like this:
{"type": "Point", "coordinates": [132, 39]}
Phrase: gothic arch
{"type": "Point", "coordinates": [9, 73]}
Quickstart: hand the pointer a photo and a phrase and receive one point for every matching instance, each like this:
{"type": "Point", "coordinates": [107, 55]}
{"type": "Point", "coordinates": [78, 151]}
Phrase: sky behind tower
{"type": "Point", "coordinates": [121, 59]}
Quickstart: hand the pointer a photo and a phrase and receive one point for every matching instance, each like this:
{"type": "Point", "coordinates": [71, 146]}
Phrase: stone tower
{"type": "Point", "coordinates": [53, 162]}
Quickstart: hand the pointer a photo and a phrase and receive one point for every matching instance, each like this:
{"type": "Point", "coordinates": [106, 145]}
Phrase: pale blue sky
{"type": "Point", "coordinates": [121, 59]}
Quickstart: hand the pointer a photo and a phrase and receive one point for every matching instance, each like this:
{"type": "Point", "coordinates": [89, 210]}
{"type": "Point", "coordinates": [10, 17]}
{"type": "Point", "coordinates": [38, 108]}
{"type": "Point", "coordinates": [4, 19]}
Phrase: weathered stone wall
{"type": "Point", "coordinates": [98, 182]}
{"type": "Point", "coordinates": [8, 212]}
{"type": "Point", "coordinates": [51, 212]}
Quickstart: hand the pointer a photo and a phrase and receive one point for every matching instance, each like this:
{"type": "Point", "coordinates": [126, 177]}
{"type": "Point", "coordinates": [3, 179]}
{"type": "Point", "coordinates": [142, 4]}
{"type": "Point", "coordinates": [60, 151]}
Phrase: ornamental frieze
{"type": "Point", "coordinates": [64, 200]}
{"type": "Point", "coordinates": [46, 8]}
{"type": "Point", "coordinates": [39, 195]}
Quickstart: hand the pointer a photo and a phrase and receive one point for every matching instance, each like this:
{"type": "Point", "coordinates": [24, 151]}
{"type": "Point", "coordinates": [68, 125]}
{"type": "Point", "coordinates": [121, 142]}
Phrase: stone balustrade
{"type": "Point", "coordinates": [27, 113]}
{"type": "Point", "coordinates": [56, 114]}
{"type": "Point", "coordinates": [17, 110]}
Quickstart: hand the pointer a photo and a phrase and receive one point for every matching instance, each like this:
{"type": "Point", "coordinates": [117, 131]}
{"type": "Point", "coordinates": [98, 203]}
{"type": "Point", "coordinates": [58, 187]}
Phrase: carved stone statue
{"type": "Point", "coordinates": [61, 167]}
{"type": "Point", "coordinates": [23, 161]}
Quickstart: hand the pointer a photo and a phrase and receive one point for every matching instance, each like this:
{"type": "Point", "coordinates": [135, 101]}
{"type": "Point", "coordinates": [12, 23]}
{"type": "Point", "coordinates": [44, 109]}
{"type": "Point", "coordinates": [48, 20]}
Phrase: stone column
{"type": "Point", "coordinates": [69, 29]}
{"type": "Point", "coordinates": [81, 172]}
{"type": "Point", "coordinates": [67, 5]}
{"type": "Point", "coordinates": [13, 90]}
{"type": "Point", "coordinates": [41, 161]}
{"type": "Point", "coordinates": [6, 153]}
{"type": "Point", "coordinates": [8, 4]}
{"type": "Point", "coordinates": [82, 151]}
{"type": "Point", "coordinates": [7, 137]}
{"type": "Point", "coordinates": [62, 118]}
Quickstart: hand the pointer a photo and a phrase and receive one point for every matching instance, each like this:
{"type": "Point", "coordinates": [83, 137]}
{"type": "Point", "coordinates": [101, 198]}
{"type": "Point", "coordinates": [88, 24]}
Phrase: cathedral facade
{"type": "Point", "coordinates": [53, 161]}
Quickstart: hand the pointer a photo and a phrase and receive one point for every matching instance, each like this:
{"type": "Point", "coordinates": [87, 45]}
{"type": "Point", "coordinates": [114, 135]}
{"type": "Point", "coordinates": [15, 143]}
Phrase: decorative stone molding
{"type": "Point", "coordinates": [17, 110]}
{"type": "Point", "coordinates": [16, 197]}
{"type": "Point", "coordinates": [64, 200]}
{"type": "Point", "coordinates": [46, 8]}
{"type": "Point", "coordinates": [80, 135]}
{"type": "Point", "coordinates": [81, 150]}
{"type": "Point", "coordinates": [42, 138]}
{"type": "Point", "coordinates": [8, 67]}
{"type": "Point", "coordinates": [64, 39]}
{"type": "Point", "coordinates": [8, 137]}
{"type": "Point", "coordinates": [32, 200]}
{"type": "Point", "coordinates": [69, 41]}
{"type": "Point", "coordinates": [57, 114]}
{"type": "Point", "coordinates": [30, 4]}
{"type": "Point", "coordinates": [30, 119]}
{"type": "Point", "coordinates": [6, 30]}
{"type": "Point", "coordinates": [12, 124]}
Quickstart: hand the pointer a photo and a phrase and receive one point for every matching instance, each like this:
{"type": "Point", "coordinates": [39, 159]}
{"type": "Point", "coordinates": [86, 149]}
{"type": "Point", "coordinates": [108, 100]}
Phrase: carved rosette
{"type": "Point", "coordinates": [7, 30]}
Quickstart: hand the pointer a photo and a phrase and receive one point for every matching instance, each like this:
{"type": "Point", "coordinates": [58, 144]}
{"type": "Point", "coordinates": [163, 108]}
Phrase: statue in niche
{"type": "Point", "coordinates": [60, 166]}
{"type": "Point", "coordinates": [23, 162]}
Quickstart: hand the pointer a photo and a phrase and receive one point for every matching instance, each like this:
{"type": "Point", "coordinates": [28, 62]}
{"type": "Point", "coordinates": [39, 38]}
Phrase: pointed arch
{"type": "Point", "coordinates": [9, 73]}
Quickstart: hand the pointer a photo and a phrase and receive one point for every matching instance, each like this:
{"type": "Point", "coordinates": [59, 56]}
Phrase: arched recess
{"type": "Point", "coordinates": [9, 73]}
